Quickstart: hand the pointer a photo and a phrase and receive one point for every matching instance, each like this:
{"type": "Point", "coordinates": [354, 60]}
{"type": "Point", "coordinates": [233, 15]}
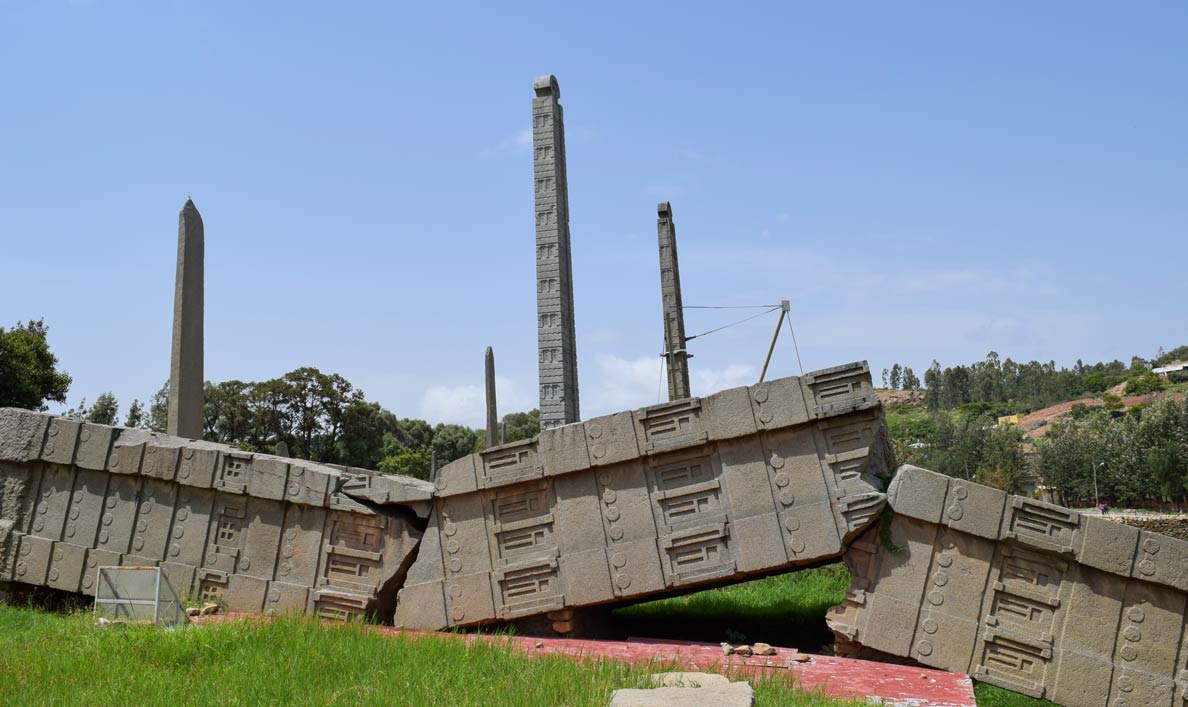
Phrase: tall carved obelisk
{"type": "Point", "coordinates": [185, 369]}
{"type": "Point", "coordinates": [675, 355]}
{"type": "Point", "coordinates": [559, 402]}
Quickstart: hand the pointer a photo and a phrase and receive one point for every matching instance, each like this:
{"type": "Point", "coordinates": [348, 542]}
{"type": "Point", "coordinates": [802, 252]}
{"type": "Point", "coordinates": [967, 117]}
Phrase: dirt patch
{"type": "Point", "coordinates": [900, 397]}
{"type": "Point", "coordinates": [1037, 424]}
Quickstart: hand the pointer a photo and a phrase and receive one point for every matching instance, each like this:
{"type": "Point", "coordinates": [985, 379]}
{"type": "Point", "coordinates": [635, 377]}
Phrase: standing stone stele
{"type": "Point", "coordinates": [675, 355]}
{"type": "Point", "coordinates": [185, 369]}
{"type": "Point", "coordinates": [492, 407]}
{"type": "Point", "coordinates": [559, 401]}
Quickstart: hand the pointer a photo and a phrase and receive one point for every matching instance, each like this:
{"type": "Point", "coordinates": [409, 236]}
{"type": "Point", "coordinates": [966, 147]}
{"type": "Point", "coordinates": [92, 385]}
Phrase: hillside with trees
{"type": "Point", "coordinates": [1135, 446]}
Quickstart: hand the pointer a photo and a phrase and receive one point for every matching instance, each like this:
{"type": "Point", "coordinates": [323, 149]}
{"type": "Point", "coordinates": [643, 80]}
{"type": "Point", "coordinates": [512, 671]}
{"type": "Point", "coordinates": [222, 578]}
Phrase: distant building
{"type": "Point", "coordinates": [1015, 419]}
{"type": "Point", "coordinates": [1171, 368]}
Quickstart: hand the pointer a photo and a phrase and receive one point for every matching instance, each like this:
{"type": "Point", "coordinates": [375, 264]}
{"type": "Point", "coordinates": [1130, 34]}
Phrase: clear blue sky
{"type": "Point", "coordinates": [921, 180]}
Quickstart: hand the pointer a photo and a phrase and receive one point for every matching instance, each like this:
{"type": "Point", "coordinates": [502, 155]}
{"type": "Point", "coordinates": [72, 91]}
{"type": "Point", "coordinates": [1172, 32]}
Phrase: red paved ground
{"type": "Point", "coordinates": [838, 677]}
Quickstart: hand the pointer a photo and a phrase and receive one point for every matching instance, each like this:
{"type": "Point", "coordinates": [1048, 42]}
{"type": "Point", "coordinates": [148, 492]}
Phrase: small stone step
{"type": "Point", "coordinates": [687, 690]}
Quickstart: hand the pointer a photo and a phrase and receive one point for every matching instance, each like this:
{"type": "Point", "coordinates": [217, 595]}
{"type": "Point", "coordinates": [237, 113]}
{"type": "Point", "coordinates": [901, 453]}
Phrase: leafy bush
{"type": "Point", "coordinates": [1144, 384]}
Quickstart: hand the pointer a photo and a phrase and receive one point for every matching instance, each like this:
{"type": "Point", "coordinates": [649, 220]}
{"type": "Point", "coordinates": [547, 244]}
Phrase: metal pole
{"type": "Point", "coordinates": [784, 307]}
{"type": "Point", "coordinates": [157, 599]}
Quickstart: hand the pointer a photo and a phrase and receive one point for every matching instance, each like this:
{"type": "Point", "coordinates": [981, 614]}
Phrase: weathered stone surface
{"type": "Point", "coordinates": [688, 690]}
{"type": "Point", "coordinates": [688, 680]}
{"type": "Point", "coordinates": [672, 496]}
{"type": "Point", "coordinates": [185, 370]}
{"type": "Point", "coordinates": [1026, 595]}
{"type": "Point", "coordinates": [675, 355]}
{"type": "Point", "coordinates": [556, 338]}
{"type": "Point", "coordinates": [252, 531]}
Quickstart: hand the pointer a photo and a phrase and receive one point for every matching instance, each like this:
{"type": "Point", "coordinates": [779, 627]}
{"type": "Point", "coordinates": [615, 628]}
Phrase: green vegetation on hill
{"type": "Point", "coordinates": [1006, 387]}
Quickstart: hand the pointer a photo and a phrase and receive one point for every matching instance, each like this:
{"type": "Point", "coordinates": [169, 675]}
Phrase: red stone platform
{"type": "Point", "coordinates": [848, 678]}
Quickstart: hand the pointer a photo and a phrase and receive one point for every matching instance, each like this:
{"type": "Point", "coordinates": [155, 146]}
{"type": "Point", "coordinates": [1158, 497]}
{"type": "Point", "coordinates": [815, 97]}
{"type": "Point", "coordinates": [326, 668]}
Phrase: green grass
{"type": "Point", "coordinates": [906, 421]}
{"type": "Point", "coordinates": [55, 659]}
{"type": "Point", "coordinates": [787, 610]}
{"type": "Point", "coordinates": [51, 659]}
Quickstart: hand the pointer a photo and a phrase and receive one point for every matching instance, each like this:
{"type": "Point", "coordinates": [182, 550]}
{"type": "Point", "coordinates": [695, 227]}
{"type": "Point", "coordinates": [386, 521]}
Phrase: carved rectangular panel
{"type": "Point", "coordinates": [232, 473]}
{"type": "Point", "coordinates": [686, 493]}
{"type": "Point", "coordinates": [355, 551]}
{"type": "Point", "coordinates": [339, 606]}
{"type": "Point", "coordinates": [1014, 661]}
{"type": "Point", "coordinates": [1041, 525]}
{"type": "Point", "coordinates": [522, 523]}
{"type": "Point", "coordinates": [698, 554]}
{"type": "Point", "coordinates": [511, 463]}
{"type": "Point", "coordinates": [528, 588]}
{"type": "Point", "coordinates": [671, 426]}
{"type": "Point", "coordinates": [225, 540]}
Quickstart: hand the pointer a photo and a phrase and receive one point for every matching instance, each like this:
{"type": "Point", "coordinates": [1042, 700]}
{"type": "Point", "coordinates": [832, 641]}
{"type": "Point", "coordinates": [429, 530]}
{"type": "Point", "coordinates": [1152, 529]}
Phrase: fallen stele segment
{"type": "Point", "coordinates": [256, 532]}
{"type": "Point", "coordinates": [1026, 595]}
{"type": "Point", "coordinates": [691, 492]}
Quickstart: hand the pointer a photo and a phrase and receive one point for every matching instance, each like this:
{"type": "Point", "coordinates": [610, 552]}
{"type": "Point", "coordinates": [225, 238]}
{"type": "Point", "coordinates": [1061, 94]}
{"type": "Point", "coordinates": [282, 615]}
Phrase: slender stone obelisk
{"type": "Point", "coordinates": [492, 407]}
{"type": "Point", "coordinates": [185, 370]}
{"type": "Point", "coordinates": [559, 401]}
{"type": "Point", "coordinates": [675, 355]}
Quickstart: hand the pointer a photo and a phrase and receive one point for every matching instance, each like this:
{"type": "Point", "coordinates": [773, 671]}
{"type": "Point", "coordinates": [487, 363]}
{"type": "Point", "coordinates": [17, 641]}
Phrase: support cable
{"type": "Point", "coordinates": [727, 326]}
{"type": "Point", "coordinates": [735, 306]}
{"type": "Point", "coordinates": [794, 346]}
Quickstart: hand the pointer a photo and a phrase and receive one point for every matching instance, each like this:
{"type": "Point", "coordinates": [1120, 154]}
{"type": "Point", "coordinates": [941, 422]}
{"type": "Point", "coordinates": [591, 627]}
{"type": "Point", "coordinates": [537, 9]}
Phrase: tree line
{"type": "Point", "coordinates": [1120, 457]}
{"type": "Point", "coordinates": [1006, 387]}
{"type": "Point", "coordinates": [318, 416]}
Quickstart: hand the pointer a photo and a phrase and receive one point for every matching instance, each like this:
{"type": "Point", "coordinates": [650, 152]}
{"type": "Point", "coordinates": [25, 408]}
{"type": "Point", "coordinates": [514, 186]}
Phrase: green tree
{"type": "Point", "coordinates": [414, 434]}
{"type": "Point", "coordinates": [78, 412]}
{"type": "Point", "coordinates": [1145, 383]}
{"type": "Point", "coordinates": [227, 413]}
{"type": "Point", "coordinates": [453, 442]}
{"type": "Point", "coordinates": [136, 417]}
{"type": "Point", "coordinates": [1002, 465]}
{"type": "Point", "coordinates": [1168, 469]}
{"type": "Point", "coordinates": [29, 374]}
{"type": "Point", "coordinates": [105, 410]}
{"type": "Point", "coordinates": [910, 381]}
{"type": "Point", "coordinates": [896, 378]}
{"type": "Point", "coordinates": [522, 425]}
{"type": "Point", "coordinates": [407, 462]}
{"type": "Point", "coordinates": [365, 426]}
{"type": "Point", "coordinates": [158, 415]}
{"type": "Point", "coordinates": [933, 382]}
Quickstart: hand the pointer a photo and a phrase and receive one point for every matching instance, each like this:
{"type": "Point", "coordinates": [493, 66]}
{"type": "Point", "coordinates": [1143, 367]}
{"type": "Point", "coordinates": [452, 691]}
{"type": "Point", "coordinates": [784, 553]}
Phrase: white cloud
{"type": "Point", "coordinates": [625, 384]}
{"type": "Point", "coordinates": [707, 381]}
{"type": "Point", "coordinates": [466, 404]}
{"type": "Point", "coordinates": [622, 384]}
{"type": "Point", "coordinates": [522, 140]}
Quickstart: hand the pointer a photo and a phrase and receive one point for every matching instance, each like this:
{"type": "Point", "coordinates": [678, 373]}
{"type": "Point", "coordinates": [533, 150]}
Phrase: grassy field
{"type": "Point", "coordinates": [51, 659]}
{"type": "Point", "coordinates": [55, 659]}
